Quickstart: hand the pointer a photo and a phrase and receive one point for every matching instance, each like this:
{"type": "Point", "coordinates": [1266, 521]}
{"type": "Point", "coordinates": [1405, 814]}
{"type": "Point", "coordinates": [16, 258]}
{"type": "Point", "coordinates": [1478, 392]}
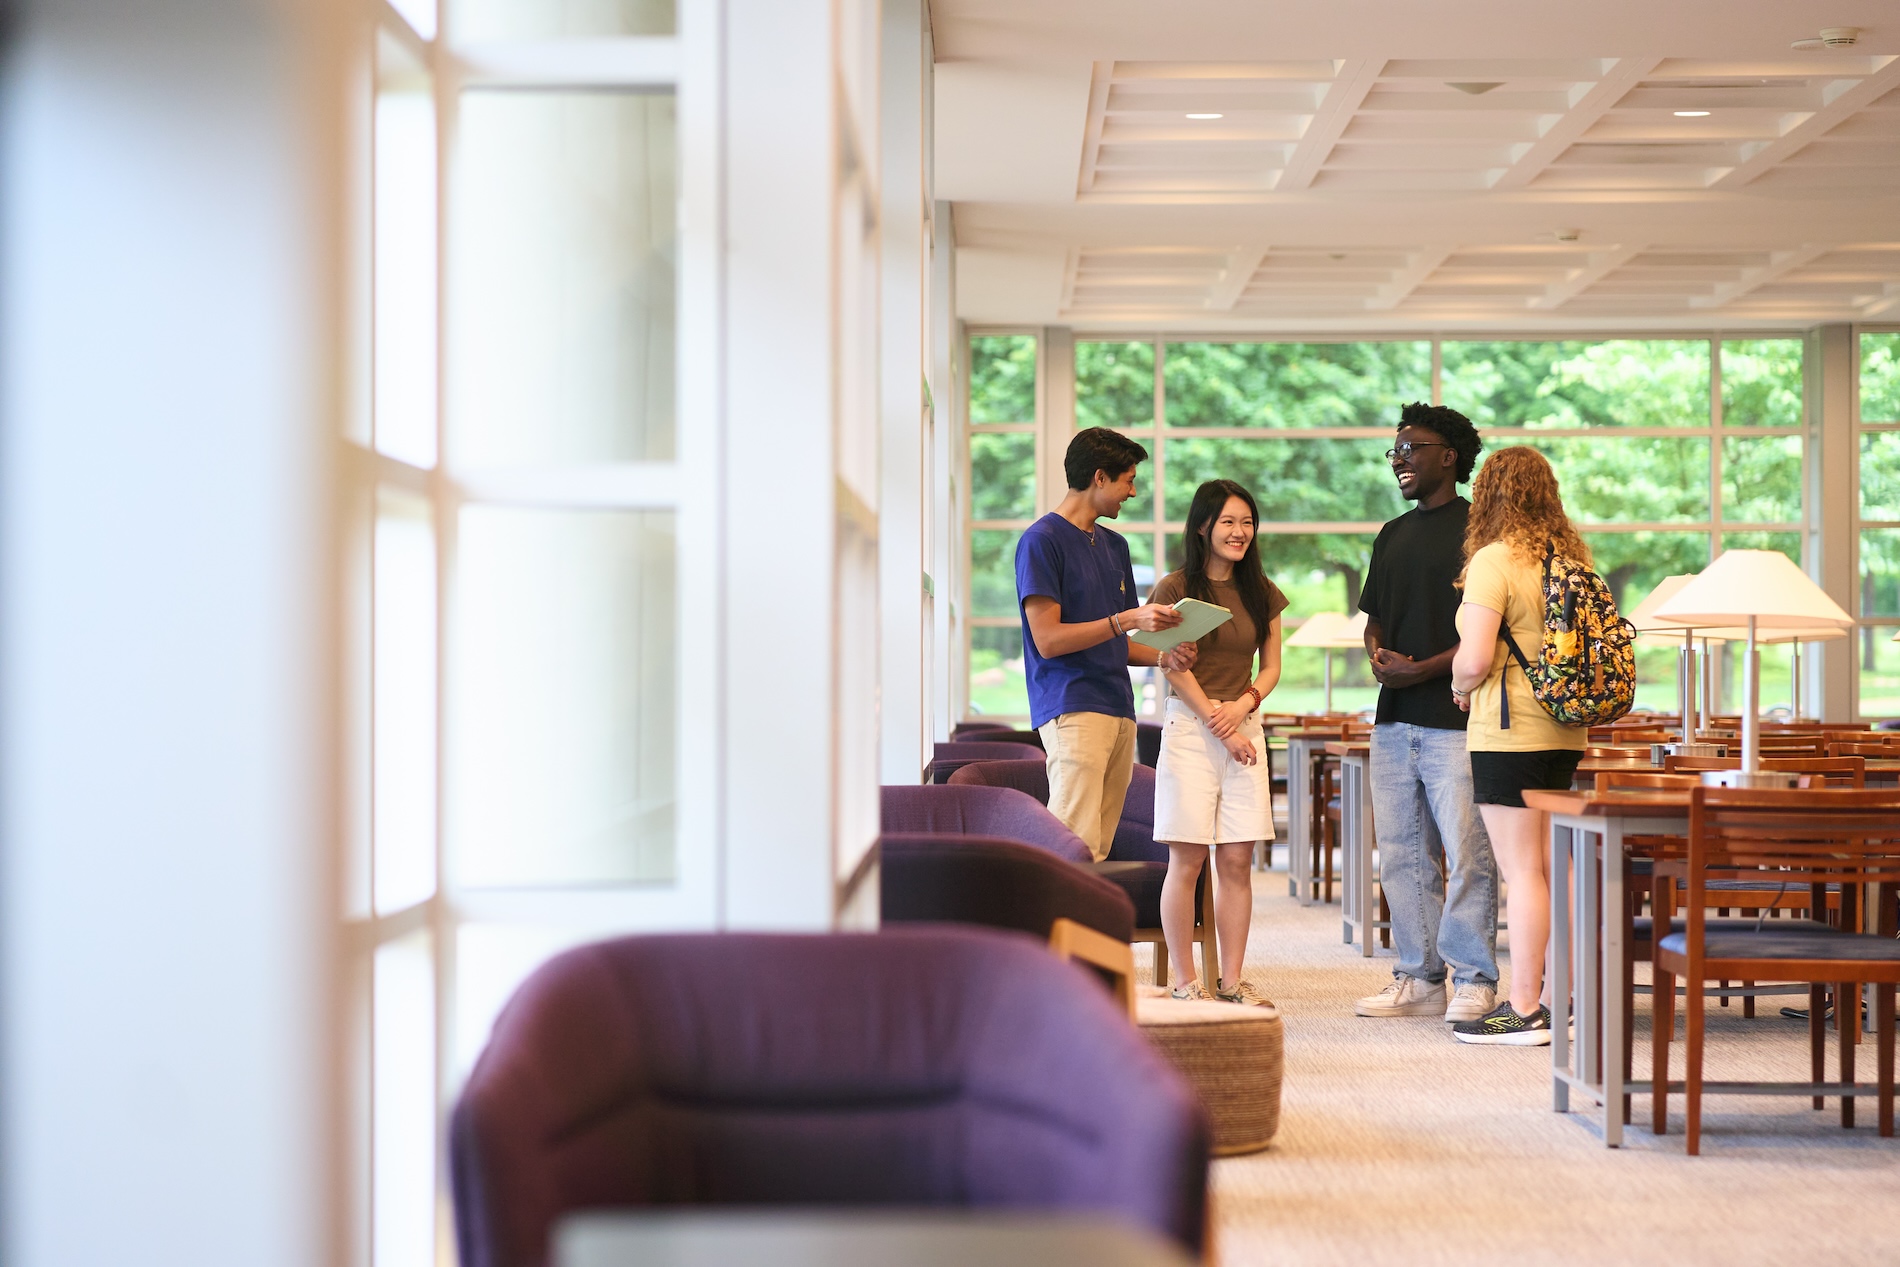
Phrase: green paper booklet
{"type": "Point", "coordinates": [1198, 619]}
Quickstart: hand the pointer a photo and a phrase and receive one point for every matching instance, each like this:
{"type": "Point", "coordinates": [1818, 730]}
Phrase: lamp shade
{"type": "Point", "coordinates": [1318, 630]}
{"type": "Point", "coordinates": [1644, 617]}
{"type": "Point", "coordinates": [1762, 584]}
{"type": "Point", "coordinates": [1663, 640]}
{"type": "Point", "coordinates": [1332, 630]}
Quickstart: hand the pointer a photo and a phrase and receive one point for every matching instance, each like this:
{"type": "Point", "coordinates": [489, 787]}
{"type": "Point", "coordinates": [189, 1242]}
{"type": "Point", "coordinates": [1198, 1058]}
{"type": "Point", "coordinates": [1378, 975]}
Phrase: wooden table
{"type": "Point", "coordinates": [1357, 838]}
{"type": "Point", "coordinates": [857, 1238]}
{"type": "Point", "coordinates": [1302, 746]}
{"type": "Point", "coordinates": [1587, 831]}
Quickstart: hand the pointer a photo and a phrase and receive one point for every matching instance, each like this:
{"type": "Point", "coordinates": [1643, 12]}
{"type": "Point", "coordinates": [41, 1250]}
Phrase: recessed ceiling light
{"type": "Point", "coordinates": [1207, 116]}
{"type": "Point", "coordinates": [1692, 114]}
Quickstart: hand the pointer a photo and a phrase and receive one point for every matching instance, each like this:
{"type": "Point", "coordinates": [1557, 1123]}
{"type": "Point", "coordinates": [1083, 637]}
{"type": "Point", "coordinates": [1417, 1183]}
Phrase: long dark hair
{"type": "Point", "coordinates": [1209, 500]}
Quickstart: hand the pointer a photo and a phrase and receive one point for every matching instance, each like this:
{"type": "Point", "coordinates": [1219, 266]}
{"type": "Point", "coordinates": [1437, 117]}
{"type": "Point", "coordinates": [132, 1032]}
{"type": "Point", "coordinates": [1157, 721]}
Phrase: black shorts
{"type": "Point", "coordinates": [1502, 778]}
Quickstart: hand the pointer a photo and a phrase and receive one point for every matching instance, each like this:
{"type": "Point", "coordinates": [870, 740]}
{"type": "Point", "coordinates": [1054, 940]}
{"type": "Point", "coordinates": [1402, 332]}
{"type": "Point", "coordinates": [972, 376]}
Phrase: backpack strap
{"type": "Point", "coordinates": [1504, 631]}
{"type": "Point", "coordinates": [1504, 689]}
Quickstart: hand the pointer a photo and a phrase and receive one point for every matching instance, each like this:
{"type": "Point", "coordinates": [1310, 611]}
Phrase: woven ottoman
{"type": "Point", "coordinates": [1235, 1057]}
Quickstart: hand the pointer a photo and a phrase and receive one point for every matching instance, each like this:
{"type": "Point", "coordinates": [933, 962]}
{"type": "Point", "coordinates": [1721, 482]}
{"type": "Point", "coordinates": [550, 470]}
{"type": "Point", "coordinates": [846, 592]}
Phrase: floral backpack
{"type": "Point", "coordinates": [1585, 671]}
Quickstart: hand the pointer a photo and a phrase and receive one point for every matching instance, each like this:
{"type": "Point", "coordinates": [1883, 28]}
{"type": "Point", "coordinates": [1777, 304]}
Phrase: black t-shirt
{"type": "Point", "coordinates": [1410, 592]}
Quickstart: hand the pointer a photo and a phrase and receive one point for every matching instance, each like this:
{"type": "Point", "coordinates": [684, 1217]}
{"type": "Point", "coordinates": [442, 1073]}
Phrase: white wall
{"type": "Point", "coordinates": [165, 731]}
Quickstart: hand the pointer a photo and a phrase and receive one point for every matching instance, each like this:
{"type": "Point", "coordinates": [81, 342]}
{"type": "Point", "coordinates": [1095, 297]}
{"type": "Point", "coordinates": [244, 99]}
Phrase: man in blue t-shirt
{"type": "Point", "coordinates": [1077, 591]}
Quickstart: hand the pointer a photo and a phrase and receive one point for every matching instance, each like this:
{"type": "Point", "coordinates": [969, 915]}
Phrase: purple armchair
{"type": "Point", "coordinates": [995, 882]}
{"type": "Point", "coordinates": [980, 811]}
{"type": "Point", "coordinates": [993, 732]}
{"type": "Point", "coordinates": [948, 758]}
{"type": "Point", "coordinates": [914, 1067]}
{"type": "Point", "coordinates": [1137, 862]}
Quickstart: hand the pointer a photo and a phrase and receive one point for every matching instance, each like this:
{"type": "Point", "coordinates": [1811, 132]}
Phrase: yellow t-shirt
{"type": "Point", "coordinates": [1507, 583]}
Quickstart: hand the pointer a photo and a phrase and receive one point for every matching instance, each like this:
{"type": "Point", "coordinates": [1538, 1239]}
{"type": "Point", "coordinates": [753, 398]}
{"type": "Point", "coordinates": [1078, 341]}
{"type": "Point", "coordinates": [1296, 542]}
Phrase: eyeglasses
{"type": "Point", "coordinates": [1408, 447]}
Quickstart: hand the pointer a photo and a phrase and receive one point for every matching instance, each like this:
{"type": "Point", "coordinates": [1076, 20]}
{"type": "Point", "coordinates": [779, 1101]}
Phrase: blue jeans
{"type": "Point", "coordinates": [1429, 830]}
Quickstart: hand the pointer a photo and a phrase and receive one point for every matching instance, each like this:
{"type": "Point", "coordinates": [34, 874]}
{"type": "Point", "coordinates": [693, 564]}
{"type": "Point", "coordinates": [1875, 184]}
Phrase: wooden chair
{"type": "Point", "coordinates": [1806, 840]}
{"type": "Point", "coordinates": [1638, 879]}
{"type": "Point", "coordinates": [1850, 770]}
{"type": "Point", "coordinates": [1793, 746]}
{"type": "Point", "coordinates": [1864, 748]}
{"type": "Point", "coordinates": [1324, 831]}
{"type": "Point", "coordinates": [1616, 750]}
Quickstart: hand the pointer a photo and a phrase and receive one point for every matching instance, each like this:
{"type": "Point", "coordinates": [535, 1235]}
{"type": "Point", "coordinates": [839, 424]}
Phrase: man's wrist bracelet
{"type": "Point", "coordinates": [1115, 625]}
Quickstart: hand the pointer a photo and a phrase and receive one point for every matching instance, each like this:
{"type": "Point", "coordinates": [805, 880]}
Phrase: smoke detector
{"type": "Point", "coordinates": [1567, 235]}
{"type": "Point", "coordinates": [1476, 90]}
{"type": "Point", "coordinates": [1830, 37]}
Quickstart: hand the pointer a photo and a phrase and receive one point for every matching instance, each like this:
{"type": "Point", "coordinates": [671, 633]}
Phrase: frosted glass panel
{"type": "Point", "coordinates": [402, 1158]}
{"type": "Point", "coordinates": [551, 19]}
{"type": "Point", "coordinates": [405, 287]}
{"type": "Point", "coordinates": [562, 293]}
{"type": "Point", "coordinates": [563, 713]}
{"type": "Point", "coordinates": [403, 814]}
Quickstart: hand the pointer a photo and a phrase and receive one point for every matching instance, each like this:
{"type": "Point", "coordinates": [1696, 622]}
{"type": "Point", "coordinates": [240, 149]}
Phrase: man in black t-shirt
{"type": "Point", "coordinates": [1436, 868]}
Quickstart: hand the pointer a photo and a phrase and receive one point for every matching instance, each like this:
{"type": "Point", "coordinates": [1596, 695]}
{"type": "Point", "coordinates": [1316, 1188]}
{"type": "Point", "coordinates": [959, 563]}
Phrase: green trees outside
{"type": "Point", "coordinates": [1248, 411]}
{"type": "Point", "coordinates": [1114, 384]}
{"type": "Point", "coordinates": [1003, 378]}
{"type": "Point", "coordinates": [1879, 503]}
{"type": "Point", "coordinates": [1880, 377]}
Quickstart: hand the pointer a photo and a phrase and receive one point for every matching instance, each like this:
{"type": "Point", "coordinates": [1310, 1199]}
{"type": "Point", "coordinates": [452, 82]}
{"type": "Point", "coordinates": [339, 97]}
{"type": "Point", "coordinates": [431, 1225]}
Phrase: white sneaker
{"type": "Point", "coordinates": [1406, 996]}
{"type": "Point", "coordinates": [1192, 990]}
{"type": "Point", "coordinates": [1470, 1001]}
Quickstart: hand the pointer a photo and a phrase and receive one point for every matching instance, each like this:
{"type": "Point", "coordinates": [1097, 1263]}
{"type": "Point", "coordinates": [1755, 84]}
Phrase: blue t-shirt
{"type": "Point", "coordinates": [1089, 581]}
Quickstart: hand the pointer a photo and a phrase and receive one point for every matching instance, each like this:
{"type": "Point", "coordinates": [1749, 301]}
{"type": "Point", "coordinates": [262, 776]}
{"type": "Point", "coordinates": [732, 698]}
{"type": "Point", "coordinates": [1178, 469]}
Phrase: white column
{"type": "Point", "coordinates": [1831, 495]}
{"type": "Point", "coordinates": [799, 748]}
{"type": "Point", "coordinates": [903, 686]}
{"type": "Point", "coordinates": [171, 245]}
{"type": "Point", "coordinates": [947, 388]}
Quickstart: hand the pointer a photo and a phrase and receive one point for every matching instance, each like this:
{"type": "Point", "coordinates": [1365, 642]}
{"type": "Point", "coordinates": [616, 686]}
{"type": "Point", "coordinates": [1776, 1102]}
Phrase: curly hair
{"type": "Point", "coordinates": [1452, 427]}
{"type": "Point", "coordinates": [1515, 500]}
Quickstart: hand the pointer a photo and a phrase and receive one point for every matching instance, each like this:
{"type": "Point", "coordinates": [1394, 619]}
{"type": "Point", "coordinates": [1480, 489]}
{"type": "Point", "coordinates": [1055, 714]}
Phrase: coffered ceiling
{"type": "Point", "coordinates": [1508, 169]}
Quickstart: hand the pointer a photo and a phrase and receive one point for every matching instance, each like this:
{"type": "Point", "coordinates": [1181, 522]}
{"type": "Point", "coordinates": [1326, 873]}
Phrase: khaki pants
{"type": "Point", "coordinates": [1091, 759]}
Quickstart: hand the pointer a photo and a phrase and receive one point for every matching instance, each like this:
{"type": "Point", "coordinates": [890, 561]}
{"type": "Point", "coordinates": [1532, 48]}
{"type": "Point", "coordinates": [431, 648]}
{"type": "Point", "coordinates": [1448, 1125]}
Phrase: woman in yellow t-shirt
{"type": "Point", "coordinates": [1516, 515]}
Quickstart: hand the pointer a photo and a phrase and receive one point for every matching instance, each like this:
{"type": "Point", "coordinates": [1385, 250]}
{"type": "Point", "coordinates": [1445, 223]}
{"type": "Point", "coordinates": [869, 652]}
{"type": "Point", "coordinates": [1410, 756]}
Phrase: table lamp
{"type": "Point", "coordinates": [1330, 632]}
{"type": "Point", "coordinates": [1645, 620]}
{"type": "Point", "coordinates": [1757, 590]}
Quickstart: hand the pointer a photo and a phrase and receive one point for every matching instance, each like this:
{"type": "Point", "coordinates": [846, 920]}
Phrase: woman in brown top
{"type": "Point", "coordinates": [1213, 785]}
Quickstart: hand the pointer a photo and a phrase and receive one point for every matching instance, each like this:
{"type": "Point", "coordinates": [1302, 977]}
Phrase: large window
{"type": "Point", "coordinates": [513, 541]}
{"type": "Point", "coordinates": [1003, 487]}
{"type": "Point", "coordinates": [1668, 450]}
{"type": "Point", "coordinates": [1878, 523]}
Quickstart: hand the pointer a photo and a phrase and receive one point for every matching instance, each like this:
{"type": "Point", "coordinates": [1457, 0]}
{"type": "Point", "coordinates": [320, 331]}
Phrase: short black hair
{"type": "Point", "coordinates": [1450, 426]}
{"type": "Point", "coordinates": [1099, 449]}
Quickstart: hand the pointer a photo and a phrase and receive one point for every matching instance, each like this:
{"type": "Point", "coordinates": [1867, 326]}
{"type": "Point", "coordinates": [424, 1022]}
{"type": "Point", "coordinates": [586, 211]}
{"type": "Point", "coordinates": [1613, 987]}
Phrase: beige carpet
{"type": "Point", "coordinates": [1398, 1145]}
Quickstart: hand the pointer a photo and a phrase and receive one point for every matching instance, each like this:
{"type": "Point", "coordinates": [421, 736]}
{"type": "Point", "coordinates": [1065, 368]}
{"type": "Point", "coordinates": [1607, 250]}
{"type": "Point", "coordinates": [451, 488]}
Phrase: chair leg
{"type": "Point", "coordinates": [1385, 920]}
{"type": "Point", "coordinates": [1692, 1075]}
{"type": "Point", "coordinates": [1210, 948]}
{"type": "Point", "coordinates": [1161, 964]}
{"type": "Point", "coordinates": [1629, 1020]}
{"type": "Point", "coordinates": [1326, 861]}
{"type": "Point", "coordinates": [1883, 1058]}
{"type": "Point", "coordinates": [1817, 1037]}
{"type": "Point", "coordinates": [1748, 1002]}
{"type": "Point", "coordinates": [1847, 1025]}
{"type": "Point", "coordinates": [1662, 1011]}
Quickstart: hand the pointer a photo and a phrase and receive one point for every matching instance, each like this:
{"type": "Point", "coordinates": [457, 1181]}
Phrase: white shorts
{"type": "Point", "coordinates": [1202, 795]}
